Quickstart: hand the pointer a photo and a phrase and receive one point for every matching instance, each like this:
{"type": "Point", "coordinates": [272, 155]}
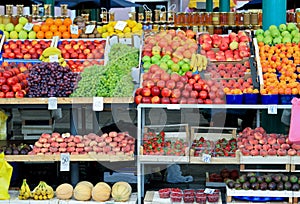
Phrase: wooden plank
{"type": "Point", "coordinates": [149, 197]}
{"type": "Point", "coordinates": [264, 160]}
{"type": "Point", "coordinates": [163, 159]}
{"type": "Point", "coordinates": [259, 193]}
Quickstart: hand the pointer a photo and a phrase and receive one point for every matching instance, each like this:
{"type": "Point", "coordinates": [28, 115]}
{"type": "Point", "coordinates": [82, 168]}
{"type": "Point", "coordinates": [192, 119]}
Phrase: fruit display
{"type": "Point", "coordinates": [101, 192]}
{"type": "Point", "coordinates": [27, 49]}
{"type": "Point", "coordinates": [256, 142]}
{"type": "Point", "coordinates": [19, 31]}
{"type": "Point", "coordinates": [132, 28]}
{"type": "Point", "coordinates": [43, 191]}
{"type": "Point", "coordinates": [171, 50]}
{"type": "Point", "coordinates": [49, 79]}
{"type": "Point", "coordinates": [220, 148]}
{"type": "Point", "coordinates": [52, 51]}
{"type": "Point", "coordinates": [158, 86]}
{"type": "Point", "coordinates": [224, 175]}
{"type": "Point", "coordinates": [64, 191]}
{"type": "Point", "coordinates": [228, 70]}
{"type": "Point", "coordinates": [157, 144]}
{"type": "Point", "coordinates": [121, 191]}
{"type": "Point", "coordinates": [83, 191]}
{"type": "Point", "coordinates": [270, 182]}
{"type": "Point", "coordinates": [112, 144]}
{"type": "Point", "coordinates": [78, 65]}
{"type": "Point", "coordinates": [112, 80]}
{"type": "Point", "coordinates": [284, 33]}
{"type": "Point", "coordinates": [234, 47]}
{"type": "Point", "coordinates": [24, 192]}
{"type": "Point", "coordinates": [79, 49]}
{"type": "Point", "coordinates": [13, 80]}
{"type": "Point", "coordinates": [13, 149]}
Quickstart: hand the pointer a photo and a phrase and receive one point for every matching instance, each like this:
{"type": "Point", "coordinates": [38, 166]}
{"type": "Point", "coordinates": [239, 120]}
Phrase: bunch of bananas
{"type": "Point", "coordinates": [52, 51]}
{"type": "Point", "coordinates": [24, 192]}
{"type": "Point", "coordinates": [198, 62]}
{"type": "Point", "coordinates": [43, 192]}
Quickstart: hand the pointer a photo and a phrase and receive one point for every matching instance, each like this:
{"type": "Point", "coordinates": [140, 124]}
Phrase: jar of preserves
{"type": "Point", "coordinates": [64, 9]}
{"type": "Point", "coordinates": [223, 18]}
{"type": "Point", "coordinates": [231, 18]}
{"type": "Point", "coordinates": [140, 17]}
{"type": "Point", "coordinates": [247, 18]}
{"type": "Point", "coordinates": [215, 18]}
{"type": "Point", "coordinates": [20, 8]}
{"type": "Point", "coordinates": [201, 18]}
{"type": "Point", "coordinates": [156, 15]}
{"type": "Point", "coordinates": [185, 19]}
{"type": "Point", "coordinates": [148, 16]}
{"type": "Point", "coordinates": [208, 18]}
{"type": "Point", "coordinates": [103, 15]}
{"type": "Point", "coordinates": [195, 19]}
{"type": "Point", "coordinates": [6, 19]}
{"type": "Point", "coordinates": [291, 17]}
{"type": "Point", "coordinates": [260, 18]}
{"type": "Point", "coordinates": [210, 29]}
{"type": "Point", "coordinates": [1, 19]}
{"type": "Point", "coordinates": [180, 18]}
{"type": "Point", "coordinates": [35, 9]}
{"type": "Point", "coordinates": [254, 18]}
{"type": "Point", "coordinates": [239, 18]}
{"type": "Point", "coordinates": [225, 29]}
{"type": "Point", "coordinates": [171, 16]}
{"type": "Point", "coordinates": [9, 9]}
{"type": "Point", "coordinates": [218, 30]}
{"type": "Point", "coordinates": [14, 19]}
{"type": "Point", "coordinates": [298, 16]}
{"type": "Point", "coordinates": [111, 16]}
{"type": "Point", "coordinates": [191, 19]}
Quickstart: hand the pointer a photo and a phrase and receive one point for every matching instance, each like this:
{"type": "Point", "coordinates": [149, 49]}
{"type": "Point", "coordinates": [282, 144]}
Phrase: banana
{"type": "Point", "coordinates": [24, 192]}
{"type": "Point", "coordinates": [204, 62]}
{"type": "Point", "coordinates": [199, 62]}
{"type": "Point", "coordinates": [193, 62]}
{"type": "Point", "coordinates": [51, 51]}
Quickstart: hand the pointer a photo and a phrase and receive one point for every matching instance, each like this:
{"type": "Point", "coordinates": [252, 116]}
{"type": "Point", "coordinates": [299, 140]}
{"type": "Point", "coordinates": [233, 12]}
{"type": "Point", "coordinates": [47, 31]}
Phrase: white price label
{"type": "Point", "coordinates": [53, 58]}
{"type": "Point", "coordinates": [120, 25]}
{"type": "Point", "coordinates": [272, 109]}
{"type": "Point", "coordinates": [209, 191]}
{"type": "Point", "coordinates": [129, 15]}
{"type": "Point", "coordinates": [52, 103]}
{"type": "Point", "coordinates": [89, 29]}
{"type": "Point", "coordinates": [206, 158]}
{"type": "Point", "coordinates": [173, 106]}
{"type": "Point", "coordinates": [113, 40]}
{"type": "Point", "coordinates": [97, 103]}
{"type": "Point", "coordinates": [74, 29]}
{"type": "Point", "coordinates": [28, 26]}
{"type": "Point", "coordinates": [64, 162]}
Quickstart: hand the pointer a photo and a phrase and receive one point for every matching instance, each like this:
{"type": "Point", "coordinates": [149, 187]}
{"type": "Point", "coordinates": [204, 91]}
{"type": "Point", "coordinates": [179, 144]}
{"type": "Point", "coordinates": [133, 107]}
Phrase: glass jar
{"type": "Point", "coordinates": [185, 19]}
{"type": "Point", "coordinates": [64, 9]}
{"type": "Point", "coordinates": [223, 18]}
{"type": "Point", "coordinates": [14, 19]}
{"type": "Point", "coordinates": [215, 18]}
{"type": "Point", "coordinates": [1, 19]}
{"type": "Point", "coordinates": [163, 16]}
{"type": "Point", "coordinates": [260, 17]}
{"type": "Point", "coordinates": [298, 16]}
{"type": "Point", "coordinates": [291, 17]}
{"type": "Point", "coordinates": [225, 29]}
{"type": "Point", "coordinates": [254, 18]}
{"type": "Point", "coordinates": [239, 18]}
{"type": "Point", "coordinates": [208, 18]}
{"type": "Point", "coordinates": [231, 18]}
{"type": "Point", "coordinates": [218, 30]}
{"type": "Point", "coordinates": [210, 29]}
{"type": "Point", "coordinates": [157, 15]}
{"type": "Point", "coordinates": [6, 19]}
{"type": "Point", "coordinates": [111, 16]}
{"type": "Point", "coordinates": [140, 17]}
{"type": "Point", "coordinates": [191, 19]}
{"type": "Point", "coordinates": [35, 9]}
{"type": "Point", "coordinates": [131, 16]}
{"type": "Point", "coordinates": [148, 15]}
{"type": "Point", "coordinates": [9, 9]}
{"type": "Point", "coordinates": [171, 16]}
{"type": "Point", "coordinates": [20, 8]}
{"type": "Point", "coordinates": [247, 18]}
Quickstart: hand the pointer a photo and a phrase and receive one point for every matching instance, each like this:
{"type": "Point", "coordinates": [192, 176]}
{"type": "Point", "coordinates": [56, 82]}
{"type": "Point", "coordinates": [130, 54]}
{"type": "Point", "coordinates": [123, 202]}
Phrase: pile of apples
{"type": "Point", "coordinates": [78, 66]}
{"type": "Point", "coordinates": [177, 46]}
{"type": "Point", "coordinates": [234, 47]}
{"type": "Point", "coordinates": [229, 70]}
{"type": "Point", "coordinates": [80, 49]}
{"type": "Point", "coordinates": [13, 80]}
{"type": "Point", "coordinates": [111, 143]}
{"type": "Point", "coordinates": [256, 142]}
{"type": "Point", "coordinates": [158, 86]}
{"type": "Point", "coordinates": [27, 49]}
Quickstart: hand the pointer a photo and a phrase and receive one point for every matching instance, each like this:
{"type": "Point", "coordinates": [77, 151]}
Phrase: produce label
{"type": "Point", "coordinates": [173, 106]}
{"type": "Point", "coordinates": [52, 103]}
{"type": "Point", "coordinates": [28, 26]}
{"type": "Point", "coordinates": [97, 103]}
{"type": "Point", "coordinates": [272, 109]}
{"type": "Point", "coordinates": [209, 191]}
{"type": "Point", "coordinates": [120, 25]}
{"type": "Point", "coordinates": [206, 158]}
{"type": "Point", "coordinates": [74, 29]}
{"type": "Point", "coordinates": [64, 162]}
{"type": "Point", "coordinates": [89, 29]}
{"type": "Point", "coordinates": [53, 58]}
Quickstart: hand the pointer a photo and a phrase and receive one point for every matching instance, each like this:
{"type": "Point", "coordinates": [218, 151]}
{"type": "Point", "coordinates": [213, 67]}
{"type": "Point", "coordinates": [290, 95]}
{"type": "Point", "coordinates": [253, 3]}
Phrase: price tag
{"type": "Point", "coordinates": [97, 103]}
{"type": "Point", "coordinates": [129, 15]}
{"type": "Point", "coordinates": [120, 25]}
{"type": "Point", "coordinates": [28, 26]}
{"type": "Point", "coordinates": [53, 58]}
{"type": "Point", "coordinates": [52, 103]}
{"type": "Point", "coordinates": [272, 109]}
{"type": "Point", "coordinates": [209, 191]}
{"type": "Point", "coordinates": [64, 162]}
{"type": "Point", "coordinates": [206, 158]}
{"type": "Point", "coordinates": [173, 106]}
{"type": "Point", "coordinates": [74, 29]}
{"type": "Point", "coordinates": [113, 40]}
{"type": "Point", "coordinates": [89, 29]}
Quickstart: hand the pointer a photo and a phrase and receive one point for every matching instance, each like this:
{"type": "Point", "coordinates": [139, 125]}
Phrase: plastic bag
{"type": "Point", "coordinates": [294, 133]}
{"type": "Point", "coordinates": [3, 118]}
{"type": "Point", "coordinates": [174, 175]}
{"type": "Point", "coordinates": [5, 176]}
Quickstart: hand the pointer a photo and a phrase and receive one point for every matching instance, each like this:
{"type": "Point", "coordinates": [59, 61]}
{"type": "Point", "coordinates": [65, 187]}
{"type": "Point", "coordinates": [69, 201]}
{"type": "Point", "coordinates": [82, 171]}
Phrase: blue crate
{"type": "Point", "coordinates": [250, 98]}
{"type": "Point", "coordinates": [234, 98]}
{"type": "Point", "coordinates": [286, 98]}
{"type": "Point", "coordinates": [270, 99]}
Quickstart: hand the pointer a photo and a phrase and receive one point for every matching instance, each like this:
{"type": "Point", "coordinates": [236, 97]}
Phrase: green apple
{"type": "Point", "coordinates": [166, 57]}
{"type": "Point", "coordinates": [2, 27]}
{"type": "Point", "coordinates": [163, 65]}
{"type": "Point", "coordinates": [291, 27]}
{"type": "Point", "coordinates": [297, 35]}
{"type": "Point", "coordinates": [275, 33]}
{"type": "Point", "coordinates": [284, 33]}
{"type": "Point", "coordinates": [147, 65]}
{"type": "Point", "coordinates": [272, 27]}
{"type": "Point", "coordinates": [259, 32]}
{"type": "Point", "coordinates": [260, 38]}
{"type": "Point", "coordinates": [9, 27]}
{"type": "Point", "coordinates": [175, 67]}
{"type": "Point", "coordinates": [155, 59]}
{"type": "Point", "coordinates": [146, 59]}
{"type": "Point", "coordinates": [268, 40]}
{"type": "Point", "coordinates": [185, 67]}
{"type": "Point", "coordinates": [23, 35]}
{"type": "Point", "coordinates": [296, 40]}
{"type": "Point", "coordinates": [187, 60]}
{"type": "Point", "coordinates": [282, 27]}
{"type": "Point", "coordinates": [267, 33]}
{"type": "Point", "coordinates": [23, 20]}
{"type": "Point", "coordinates": [286, 39]}
{"type": "Point", "coordinates": [32, 35]}
{"type": "Point", "coordinates": [18, 27]}
{"type": "Point", "coordinates": [294, 32]}
{"type": "Point", "coordinates": [158, 56]}
{"type": "Point", "coordinates": [277, 40]}
{"type": "Point", "coordinates": [169, 63]}
{"type": "Point", "coordinates": [13, 35]}
{"type": "Point", "coordinates": [169, 71]}
{"type": "Point", "coordinates": [180, 63]}
{"type": "Point", "coordinates": [6, 34]}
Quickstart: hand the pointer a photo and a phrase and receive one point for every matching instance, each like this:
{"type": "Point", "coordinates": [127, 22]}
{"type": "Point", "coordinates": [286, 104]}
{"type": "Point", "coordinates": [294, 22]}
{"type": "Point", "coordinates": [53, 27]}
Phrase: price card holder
{"type": "Point", "coordinates": [64, 162]}
{"type": "Point", "coordinates": [136, 41]}
{"type": "Point", "coordinates": [74, 29]}
{"type": "Point", "coordinates": [52, 103]}
{"type": "Point", "coordinates": [113, 40]}
{"type": "Point", "coordinates": [120, 25]}
{"type": "Point", "coordinates": [28, 26]}
{"type": "Point", "coordinates": [272, 109]}
{"type": "Point", "coordinates": [89, 29]}
{"type": "Point", "coordinates": [206, 158]}
{"type": "Point", "coordinates": [97, 103]}
{"type": "Point", "coordinates": [53, 58]}
{"type": "Point", "coordinates": [209, 190]}
{"type": "Point", "coordinates": [173, 106]}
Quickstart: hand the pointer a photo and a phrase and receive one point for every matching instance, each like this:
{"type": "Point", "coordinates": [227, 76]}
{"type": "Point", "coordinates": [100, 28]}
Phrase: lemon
{"type": "Point", "coordinates": [104, 28]}
{"type": "Point", "coordinates": [105, 35]}
{"type": "Point", "coordinates": [100, 29]}
{"type": "Point", "coordinates": [121, 35]}
{"type": "Point", "coordinates": [127, 30]}
{"type": "Point", "coordinates": [139, 26]}
{"type": "Point", "coordinates": [127, 35]}
{"type": "Point", "coordinates": [135, 29]}
{"type": "Point", "coordinates": [110, 29]}
{"type": "Point", "coordinates": [131, 23]}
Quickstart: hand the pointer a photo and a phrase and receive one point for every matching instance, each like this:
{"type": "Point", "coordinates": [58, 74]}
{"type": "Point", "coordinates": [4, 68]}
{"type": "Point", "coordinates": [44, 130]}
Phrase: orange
{"type": "Point", "coordinates": [40, 35]}
{"type": "Point", "coordinates": [66, 34]}
{"type": "Point", "coordinates": [62, 28]}
{"type": "Point", "coordinates": [74, 36]}
{"type": "Point", "coordinates": [48, 35]}
{"type": "Point", "coordinates": [57, 33]}
{"type": "Point", "coordinates": [58, 22]}
{"type": "Point", "coordinates": [44, 28]}
{"type": "Point", "coordinates": [49, 21]}
{"type": "Point", "coordinates": [67, 22]}
{"type": "Point", "coordinates": [53, 28]}
{"type": "Point", "coordinates": [36, 28]}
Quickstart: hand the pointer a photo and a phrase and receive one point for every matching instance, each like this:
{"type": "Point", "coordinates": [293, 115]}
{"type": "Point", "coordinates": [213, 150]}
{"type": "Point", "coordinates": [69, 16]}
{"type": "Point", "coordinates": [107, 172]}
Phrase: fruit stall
{"type": "Point", "coordinates": [181, 77]}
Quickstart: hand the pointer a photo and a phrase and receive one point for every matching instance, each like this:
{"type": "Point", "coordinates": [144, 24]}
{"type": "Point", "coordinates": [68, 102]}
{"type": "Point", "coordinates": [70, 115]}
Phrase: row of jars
{"type": "Point", "coordinates": [293, 17]}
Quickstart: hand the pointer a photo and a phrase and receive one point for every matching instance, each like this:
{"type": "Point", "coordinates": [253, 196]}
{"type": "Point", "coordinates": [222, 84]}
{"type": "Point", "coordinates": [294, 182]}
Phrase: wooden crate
{"type": "Point", "coordinates": [152, 197]}
{"type": "Point", "coordinates": [182, 133]}
{"type": "Point", "coordinates": [214, 134]}
{"type": "Point", "coordinates": [213, 184]}
{"type": "Point", "coordinates": [284, 161]}
{"type": "Point", "coordinates": [258, 193]}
